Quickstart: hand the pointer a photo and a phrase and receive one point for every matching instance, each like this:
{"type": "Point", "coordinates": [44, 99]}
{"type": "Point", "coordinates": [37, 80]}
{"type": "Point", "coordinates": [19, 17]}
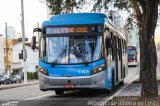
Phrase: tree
{"type": "Point", "coordinates": [147, 15]}
{"type": "Point", "coordinates": [64, 6]}
{"type": "Point", "coordinates": [146, 12]}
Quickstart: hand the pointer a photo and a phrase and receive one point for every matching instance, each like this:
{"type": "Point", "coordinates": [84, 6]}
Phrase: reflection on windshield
{"type": "Point", "coordinates": [81, 49]}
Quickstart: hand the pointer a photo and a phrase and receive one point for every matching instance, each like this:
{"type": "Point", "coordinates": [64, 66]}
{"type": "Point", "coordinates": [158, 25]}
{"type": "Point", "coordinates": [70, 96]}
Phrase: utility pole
{"type": "Point", "coordinates": [7, 64]}
{"type": "Point", "coordinates": [23, 41]}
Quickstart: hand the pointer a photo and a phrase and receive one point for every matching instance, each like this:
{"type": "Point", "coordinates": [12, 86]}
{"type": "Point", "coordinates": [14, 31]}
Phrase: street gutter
{"type": "Point", "coordinates": [3, 87]}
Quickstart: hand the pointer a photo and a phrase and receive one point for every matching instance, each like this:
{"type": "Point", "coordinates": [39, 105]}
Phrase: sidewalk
{"type": "Point", "coordinates": [9, 86]}
{"type": "Point", "coordinates": [134, 90]}
{"type": "Point", "coordinates": [131, 96]}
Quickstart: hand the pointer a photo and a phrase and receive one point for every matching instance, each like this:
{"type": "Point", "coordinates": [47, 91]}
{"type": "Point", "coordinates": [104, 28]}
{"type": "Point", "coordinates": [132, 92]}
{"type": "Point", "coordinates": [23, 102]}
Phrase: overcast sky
{"type": "Point", "coordinates": [10, 12]}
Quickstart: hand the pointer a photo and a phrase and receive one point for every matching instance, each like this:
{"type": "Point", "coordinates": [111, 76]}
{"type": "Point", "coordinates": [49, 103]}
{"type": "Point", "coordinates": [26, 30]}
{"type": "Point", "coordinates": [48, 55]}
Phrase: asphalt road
{"type": "Point", "coordinates": [32, 96]}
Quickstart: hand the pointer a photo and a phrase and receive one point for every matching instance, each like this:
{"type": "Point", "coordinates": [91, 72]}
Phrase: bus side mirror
{"type": "Point", "coordinates": [33, 43]}
{"type": "Point", "coordinates": [37, 30]}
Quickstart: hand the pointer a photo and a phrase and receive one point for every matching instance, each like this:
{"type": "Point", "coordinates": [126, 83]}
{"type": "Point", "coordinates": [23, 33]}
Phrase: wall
{"type": "Point", "coordinates": [1, 55]}
{"type": "Point", "coordinates": [32, 57]}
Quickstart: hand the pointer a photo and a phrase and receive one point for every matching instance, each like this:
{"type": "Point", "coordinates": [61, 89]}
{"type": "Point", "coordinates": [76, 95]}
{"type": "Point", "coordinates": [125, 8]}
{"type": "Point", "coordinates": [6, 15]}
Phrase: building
{"type": "Point", "coordinates": [157, 41]}
{"type": "Point", "coordinates": [31, 61]}
{"type": "Point", "coordinates": [1, 55]}
{"type": "Point", "coordinates": [8, 60]}
{"type": "Point", "coordinates": [10, 55]}
{"type": "Point", "coordinates": [132, 32]}
{"type": "Point", "coordinates": [117, 19]}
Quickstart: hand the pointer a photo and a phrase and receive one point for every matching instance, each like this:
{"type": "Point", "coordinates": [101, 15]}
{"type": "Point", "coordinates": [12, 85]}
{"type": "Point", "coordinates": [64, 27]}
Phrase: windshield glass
{"type": "Point", "coordinates": [74, 49]}
{"type": "Point", "coordinates": [131, 54]}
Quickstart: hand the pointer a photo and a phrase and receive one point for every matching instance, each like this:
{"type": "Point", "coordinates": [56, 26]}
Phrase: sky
{"type": "Point", "coordinates": [34, 11]}
{"type": "Point", "coordinates": [10, 12]}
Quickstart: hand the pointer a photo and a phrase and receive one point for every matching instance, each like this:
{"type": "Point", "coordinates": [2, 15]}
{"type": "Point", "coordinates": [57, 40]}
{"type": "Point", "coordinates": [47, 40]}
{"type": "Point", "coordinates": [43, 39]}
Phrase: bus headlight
{"type": "Point", "coordinates": [43, 71]}
{"type": "Point", "coordinates": [98, 69]}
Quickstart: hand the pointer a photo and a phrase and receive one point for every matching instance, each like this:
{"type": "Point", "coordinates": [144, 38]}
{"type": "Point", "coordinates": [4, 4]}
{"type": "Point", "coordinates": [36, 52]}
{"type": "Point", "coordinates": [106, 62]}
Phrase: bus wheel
{"type": "Point", "coordinates": [59, 92]}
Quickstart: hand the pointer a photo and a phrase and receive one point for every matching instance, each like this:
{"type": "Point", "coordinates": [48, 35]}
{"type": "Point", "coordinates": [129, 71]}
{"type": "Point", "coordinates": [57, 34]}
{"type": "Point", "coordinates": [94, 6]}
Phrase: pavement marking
{"type": "Point", "coordinates": [39, 96]}
{"type": "Point", "coordinates": [109, 98]}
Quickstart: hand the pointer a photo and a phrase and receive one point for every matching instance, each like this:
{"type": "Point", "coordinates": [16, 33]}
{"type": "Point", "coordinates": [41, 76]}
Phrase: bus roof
{"type": "Point", "coordinates": [131, 47]}
{"type": "Point", "coordinates": [75, 19]}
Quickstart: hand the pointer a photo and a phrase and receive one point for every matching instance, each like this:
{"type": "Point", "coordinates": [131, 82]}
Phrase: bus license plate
{"type": "Point", "coordinates": [69, 86]}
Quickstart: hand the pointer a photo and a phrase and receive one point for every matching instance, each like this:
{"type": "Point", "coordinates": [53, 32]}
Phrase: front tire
{"type": "Point", "coordinates": [59, 92]}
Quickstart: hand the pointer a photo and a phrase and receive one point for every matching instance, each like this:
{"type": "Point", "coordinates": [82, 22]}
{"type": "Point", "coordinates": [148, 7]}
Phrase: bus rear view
{"type": "Point", "coordinates": [132, 55]}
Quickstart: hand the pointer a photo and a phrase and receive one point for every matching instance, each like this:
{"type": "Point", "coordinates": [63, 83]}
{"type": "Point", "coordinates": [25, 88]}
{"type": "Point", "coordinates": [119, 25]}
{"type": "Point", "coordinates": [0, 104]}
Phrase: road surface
{"type": "Point", "coordinates": [32, 96]}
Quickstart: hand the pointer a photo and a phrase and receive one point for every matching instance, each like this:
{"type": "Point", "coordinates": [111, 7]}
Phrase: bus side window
{"type": "Point", "coordinates": [113, 47]}
{"type": "Point", "coordinates": [122, 47]}
{"type": "Point", "coordinates": [125, 47]}
{"type": "Point", "coordinates": [119, 48]}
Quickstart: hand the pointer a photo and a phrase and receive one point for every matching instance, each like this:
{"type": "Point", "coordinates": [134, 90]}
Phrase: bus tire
{"type": "Point", "coordinates": [43, 90]}
{"type": "Point", "coordinates": [59, 92]}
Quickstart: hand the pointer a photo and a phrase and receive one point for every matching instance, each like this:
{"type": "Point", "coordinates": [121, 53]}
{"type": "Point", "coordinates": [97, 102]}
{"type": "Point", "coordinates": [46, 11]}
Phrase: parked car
{"type": "Point", "coordinates": [16, 79]}
{"type": "Point", "coordinates": [5, 80]}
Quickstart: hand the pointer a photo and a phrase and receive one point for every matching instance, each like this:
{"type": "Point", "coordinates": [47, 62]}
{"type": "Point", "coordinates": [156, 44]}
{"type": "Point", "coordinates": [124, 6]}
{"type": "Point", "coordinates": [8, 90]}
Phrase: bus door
{"type": "Point", "coordinates": [116, 57]}
{"type": "Point", "coordinates": [119, 63]}
{"type": "Point", "coordinates": [120, 58]}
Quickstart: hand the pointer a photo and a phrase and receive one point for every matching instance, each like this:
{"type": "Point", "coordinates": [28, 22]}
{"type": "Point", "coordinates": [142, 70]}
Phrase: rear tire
{"type": "Point", "coordinates": [59, 92]}
{"type": "Point", "coordinates": [43, 90]}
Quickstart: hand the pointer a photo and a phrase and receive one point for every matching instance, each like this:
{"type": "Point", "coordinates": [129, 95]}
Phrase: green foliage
{"type": "Point", "coordinates": [66, 6]}
{"type": "Point", "coordinates": [63, 6]}
{"type": "Point", "coordinates": [32, 75]}
{"type": "Point", "coordinates": [120, 4]}
{"type": "Point", "coordinates": [35, 74]}
{"type": "Point", "coordinates": [13, 73]}
{"type": "Point", "coordinates": [55, 6]}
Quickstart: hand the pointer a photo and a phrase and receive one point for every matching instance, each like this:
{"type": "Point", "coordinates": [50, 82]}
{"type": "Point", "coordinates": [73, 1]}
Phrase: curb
{"type": "Point", "coordinates": [111, 97]}
{"type": "Point", "coordinates": [18, 85]}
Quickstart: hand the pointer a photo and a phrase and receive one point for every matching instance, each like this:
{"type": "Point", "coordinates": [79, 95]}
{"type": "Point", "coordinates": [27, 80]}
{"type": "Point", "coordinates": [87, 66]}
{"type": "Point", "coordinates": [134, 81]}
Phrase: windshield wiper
{"type": "Point", "coordinates": [60, 55]}
{"type": "Point", "coordinates": [81, 55]}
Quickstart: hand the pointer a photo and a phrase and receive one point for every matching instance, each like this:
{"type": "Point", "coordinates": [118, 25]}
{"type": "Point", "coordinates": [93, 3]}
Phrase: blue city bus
{"type": "Point", "coordinates": [80, 51]}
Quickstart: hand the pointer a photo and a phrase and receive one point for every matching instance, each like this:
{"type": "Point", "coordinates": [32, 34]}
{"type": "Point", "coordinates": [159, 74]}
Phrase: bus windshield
{"type": "Point", "coordinates": [73, 49]}
{"type": "Point", "coordinates": [131, 54]}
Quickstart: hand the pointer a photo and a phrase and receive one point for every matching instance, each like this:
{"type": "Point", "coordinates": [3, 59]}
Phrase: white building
{"type": "Point", "coordinates": [117, 19]}
{"type": "Point", "coordinates": [31, 61]}
{"type": "Point", "coordinates": [1, 55]}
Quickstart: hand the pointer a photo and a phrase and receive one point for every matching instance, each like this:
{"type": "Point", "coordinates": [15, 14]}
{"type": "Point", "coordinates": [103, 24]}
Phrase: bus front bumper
{"type": "Point", "coordinates": [96, 81]}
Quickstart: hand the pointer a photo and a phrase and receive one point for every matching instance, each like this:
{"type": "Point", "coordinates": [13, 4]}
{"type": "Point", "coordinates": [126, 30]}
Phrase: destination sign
{"type": "Point", "coordinates": [77, 29]}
